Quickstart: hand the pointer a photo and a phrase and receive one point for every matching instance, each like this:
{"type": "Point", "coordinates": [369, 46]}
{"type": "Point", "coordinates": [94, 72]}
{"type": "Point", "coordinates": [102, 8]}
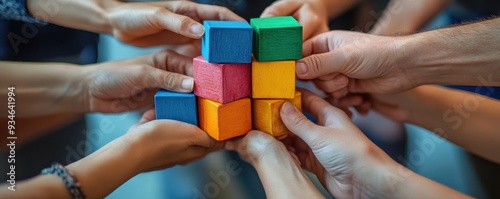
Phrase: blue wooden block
{"type": "Point", "coordinates": [227, 42]}
{"type": "Point", "coordinates": [176, 106]}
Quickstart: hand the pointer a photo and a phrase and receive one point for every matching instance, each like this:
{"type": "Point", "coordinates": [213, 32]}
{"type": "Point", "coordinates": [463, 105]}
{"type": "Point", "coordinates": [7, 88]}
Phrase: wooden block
{"type": "Point", "coordinates": [222, 83]}
{"type": "Point", "coordinates": [266, 114]}
{"type": "Point", "coordinates": [227, 42]}
{"type": "Point", "coordinates": [225, 121]}
{"type": "Point", "coordinates": [176, 106]}
{"type": "Point", "coordinates": [276, 38]}
{"type": "Point", "coordinates": [273, 79]}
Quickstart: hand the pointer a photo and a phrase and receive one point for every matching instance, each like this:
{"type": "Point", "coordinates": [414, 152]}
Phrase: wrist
{"type": "Point", "coordinates": [107, 7]}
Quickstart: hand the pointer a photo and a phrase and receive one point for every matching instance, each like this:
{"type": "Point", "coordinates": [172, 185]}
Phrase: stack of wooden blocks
{"type": "Point", "coordinates": [226, 76]}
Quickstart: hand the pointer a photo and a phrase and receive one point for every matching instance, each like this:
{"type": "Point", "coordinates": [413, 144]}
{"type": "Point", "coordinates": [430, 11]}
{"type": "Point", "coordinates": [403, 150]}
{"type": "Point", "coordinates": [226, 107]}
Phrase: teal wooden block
{"type": "Point", "coordinates": [276, 38]}
{"type": "Point", "coordinates": [176, 106]}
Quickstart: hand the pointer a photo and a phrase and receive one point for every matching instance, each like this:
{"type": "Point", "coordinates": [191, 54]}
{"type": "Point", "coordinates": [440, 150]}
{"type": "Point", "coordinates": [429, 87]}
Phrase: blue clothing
{"type": "Point", "coordinates": [15, 10]}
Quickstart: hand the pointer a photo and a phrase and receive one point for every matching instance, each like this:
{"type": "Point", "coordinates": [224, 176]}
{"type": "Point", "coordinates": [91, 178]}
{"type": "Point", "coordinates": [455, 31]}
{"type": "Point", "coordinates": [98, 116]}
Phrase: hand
{"type": "Point", "coordinates": [278, 169]}
{"type": "Point", "coordinates": [166, 143]}
{"type": "Point", "coordinates": [392, 106]}
{"type": "Point", "coordinates": [372, 63]}
{"type": "Point", "coordinates": [347, 163]}
{"type": "Point", "coordinates": [131, 84]}
{"type": "Point", "coordinates": [312, 14]}
{"type": "Point", "coordinates": [257, 144]}
{"type": "Point", "coordinates": [159, 23]}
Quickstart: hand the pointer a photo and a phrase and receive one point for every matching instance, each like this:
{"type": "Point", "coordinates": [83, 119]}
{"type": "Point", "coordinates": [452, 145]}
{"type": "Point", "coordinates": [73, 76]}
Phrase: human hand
{"type": "Point", "coordinates": [347, 163]}
{"type": "Point", "coordinates": [166, 143]}
{"type": "Point", "coordinates": [372, 63]}
{"type": "Point", "coordinates": [278, 169]}
{"type": "Point", "coordinates": [312, 14]}
{"type": "Point", "coordinates": [130, 84]}
{"type": "Point", "coordinates": [165, 22]}
{"type": "Point", "coordinates": [392, 106]}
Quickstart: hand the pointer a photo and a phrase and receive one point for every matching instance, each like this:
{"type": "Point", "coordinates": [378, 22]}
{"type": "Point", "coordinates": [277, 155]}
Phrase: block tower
{"type": "Point", "coordinates": [277, 44]}
{"type": "Point", "coordinates": [226, 76]}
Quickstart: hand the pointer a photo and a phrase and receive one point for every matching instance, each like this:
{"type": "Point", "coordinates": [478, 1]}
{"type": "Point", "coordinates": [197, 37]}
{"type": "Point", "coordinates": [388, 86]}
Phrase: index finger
{"type": "Point", "coordinates": [202, 12]}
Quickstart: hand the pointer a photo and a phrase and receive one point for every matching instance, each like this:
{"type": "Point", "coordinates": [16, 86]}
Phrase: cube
{"type": "Point", "coordinates": [273, 79]}
{"type": "Point", "coordinates": [225, 121]}
{"type": "Point", "coordinates": [276, 38]}
{"type": "Point", "coordinates": [176, 106]}
{"type": "Point", "coordinates": [227, 42]}
{"type": "Point", "coordinates": [266, 114]}
{"type": "Point", "coordinates": [222, 83]}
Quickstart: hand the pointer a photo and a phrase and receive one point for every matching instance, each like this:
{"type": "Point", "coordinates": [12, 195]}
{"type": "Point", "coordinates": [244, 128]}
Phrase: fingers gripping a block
{"type": "Point", "coordinates": [266, 114]}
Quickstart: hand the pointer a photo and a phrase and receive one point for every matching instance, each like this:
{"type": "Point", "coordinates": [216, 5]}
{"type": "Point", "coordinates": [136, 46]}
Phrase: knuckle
{"type": "Point", "coordinates": [184, 23]}
{"type": "Point", "coordinates": [170, 80]}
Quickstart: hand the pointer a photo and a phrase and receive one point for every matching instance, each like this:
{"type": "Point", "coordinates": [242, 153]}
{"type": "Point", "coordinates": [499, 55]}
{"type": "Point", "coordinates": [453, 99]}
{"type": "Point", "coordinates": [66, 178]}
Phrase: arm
{"type": "Point", "coordinates": [466, 119]}
{"type": "Point", "coordinates": [278, 171]}
{"type": "Point", "coordinates": [52, 88]}
{"type": "Point", "coordinates": [461, 55]}
{"type": "Point", "coordinates": [347, 163]}
{"type": "Point", "coordinates": [149, 145]}
{"type": "Point", "coordinates": [140, 23]}
{"type": "Point", "coordinates": [407, 16]}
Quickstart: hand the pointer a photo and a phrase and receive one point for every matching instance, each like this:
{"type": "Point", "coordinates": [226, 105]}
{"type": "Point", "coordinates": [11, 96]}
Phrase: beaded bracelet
{"type": "Point", "coordinates": [68, 178]}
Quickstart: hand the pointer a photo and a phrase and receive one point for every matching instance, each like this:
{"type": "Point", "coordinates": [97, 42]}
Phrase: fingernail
{"type": "Point", "coordinates": [187, 84]}
{"type": "Point", "coordinates": [288, 108]}
{"type": "Point", "coordinates": [198, 29]}
{"type": "Point", "coordinates": [301, 68]}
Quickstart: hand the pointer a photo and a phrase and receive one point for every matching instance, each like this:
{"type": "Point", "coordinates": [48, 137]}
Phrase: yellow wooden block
{"type": "Point", "coordinates": [273, 79]}
{"type": "Point", "coordinates": [224, 121]}
{"type": "Point", "coordinates": [266, 114]}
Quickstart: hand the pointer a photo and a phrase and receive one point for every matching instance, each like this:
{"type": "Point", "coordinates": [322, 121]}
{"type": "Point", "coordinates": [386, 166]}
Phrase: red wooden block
{"type": "Point", "coordinates": [222, 83]}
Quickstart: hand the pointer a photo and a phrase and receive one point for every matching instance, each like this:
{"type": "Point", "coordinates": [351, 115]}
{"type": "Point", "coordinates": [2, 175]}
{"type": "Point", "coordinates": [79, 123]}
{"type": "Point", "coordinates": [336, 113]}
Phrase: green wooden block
{"type": "Point", "coordinates": [276, 38]}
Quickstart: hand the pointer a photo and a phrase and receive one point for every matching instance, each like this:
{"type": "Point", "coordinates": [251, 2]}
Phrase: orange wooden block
{"type": "Point", "coordinates": [225, 121]}
{"type": "Point", "coordinates": [266, 114]}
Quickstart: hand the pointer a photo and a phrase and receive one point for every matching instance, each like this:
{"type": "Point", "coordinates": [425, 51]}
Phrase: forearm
{"type": "Point", "coordinates": [406, 16]}
{"type": "Point", "coordinates": [462, 55]}
{"type": "Point", "coordinates": [411, 185]}
{"type": "Point", "coordinates": [466, 119]}
{"type": "Point", "coordinates": [90, 15]}
{"type": "Point", "coordinates": [42, 89]}
{"type": "Point", "coordinates": [106, 169]}
{"type": "Point", "coordinates": [98, 174]}
{"type": "Point", "coordinates": [282, 177]}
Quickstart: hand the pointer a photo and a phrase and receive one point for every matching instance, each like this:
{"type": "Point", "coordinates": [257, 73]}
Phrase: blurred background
{"type": "Point", "coordinates": [417, 148]}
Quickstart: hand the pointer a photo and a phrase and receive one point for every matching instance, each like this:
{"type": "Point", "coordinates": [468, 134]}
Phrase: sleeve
{"type": "Point", "coordinates": [16, 10]}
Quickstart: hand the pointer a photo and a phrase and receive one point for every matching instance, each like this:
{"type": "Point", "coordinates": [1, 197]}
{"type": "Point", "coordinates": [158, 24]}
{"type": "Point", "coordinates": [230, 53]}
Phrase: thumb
{"type": "Point", "coordinates": [298, 124]}
{"type": "Point", "coordinates": [318, 65]}
{"type": "Point", "coordinates": [179, 24]}
{"type": "Point", "coordinates": [157, 78]}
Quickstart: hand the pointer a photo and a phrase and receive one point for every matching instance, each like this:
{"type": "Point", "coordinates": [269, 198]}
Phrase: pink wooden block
{"type": "Point", "coordinates": [222, 83]}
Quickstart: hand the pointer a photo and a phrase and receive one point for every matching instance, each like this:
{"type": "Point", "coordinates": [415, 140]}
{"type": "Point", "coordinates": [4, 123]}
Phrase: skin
{"type": "Point", "coordinates": [278, 169]}
{"type": "Point", "coordinates": [347, 163]}
{"type": "Point", "coordinates": [455, 115]}
{"type": "Point", "coordinates": [60, 89]}
{"type": "Point", "coordinates": [380, 64]}
{"type": "Point", "coordinates": [149, 145]}
{"type": "Point", "coordinates": [137, 23]}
